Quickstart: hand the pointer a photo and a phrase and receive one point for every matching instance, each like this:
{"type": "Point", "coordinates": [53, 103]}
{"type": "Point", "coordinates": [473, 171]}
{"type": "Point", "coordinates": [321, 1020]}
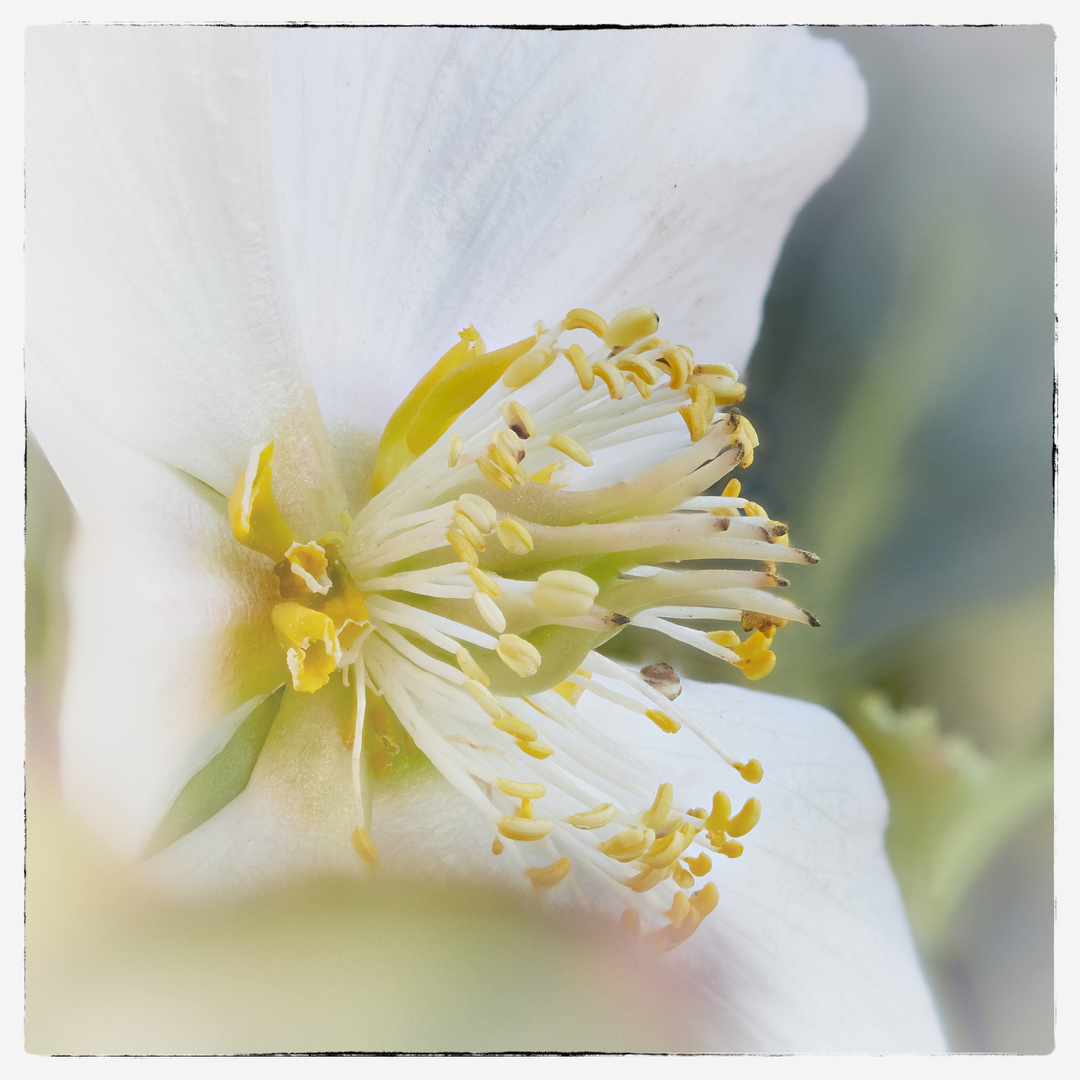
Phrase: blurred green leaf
{"type": "Point", "coordinates": [952, 808]}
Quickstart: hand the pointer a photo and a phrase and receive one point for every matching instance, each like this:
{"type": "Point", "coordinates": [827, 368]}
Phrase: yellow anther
{"type": "Point", "coordinates": [749, 432]}
{"type": "Point", "coordinates": [520, 789]}
{"type": "Point", "coordinates": [740, 437]}
{"type": "Point", "coordinates": [704, 901]}
{"type": "Point", "coordinates": [519, 655]}
{"type": "Point", "coordinates": [730, 848]}
{"type": "Point", "coordinates": [506, 461]}
{"type": "Point", "coordinates": [667, 849]}
{"type": "Point", "coordinates": [467, 529]}
{"type": "Point", "coordinates": [547, 877]}
{"type": "Point", "coordinates": [753, 509]}
{"type": "Point", "coordinates": [465, 551]}
{"type": "Point", "coordinates": [518, 419]}
{"type": "Point", "coordinates": [757, 667]}
{"type": "Point", "coordinates": [627, 363]}
{"type": "Point", "coordinates": [699, 865]}
{"type": "Point", "coordinates": [702, 397]}
{"type": "Point", "coordinates": [584, 319]}
{"type": "Point", "coordinates": [679, 360]}
{"type": "Point", "coordinates": [580, 363]}
{"type": "Point", "coordinates": [454, 451]}
{"type": "Point", "coordinates": [663, 721]}
{"type": "Point", "coordinates": [682, 877]}
{"type": "Point", "coordinates": [363, 847]}
{"type": "Point", "coordinates": [698, 812]}
{"type": "Point", "coordinates": [484, 582]}
{"type": "Point", "coordinates": [647, 879]}
{"type": "Point", "coordinates": [731, 489]}
{"type": "Point", "coordinates": [643, 386]}
{"type": "Point", "coordinates": [516, 828]}
{"type": "Point", "coordinates": [484, 698]}
{"type": "Point", "coordinates": [680, 908]}
{"type": "Point", "coordinates": [511, 442]}
{"type": "Point", "coordinates": [308, 564]}
{"type": "Point", "coordinates": [489, 611]}
{"type": "Point", "coordinates": [726, 638]}
{"type": "Point", "coordinates": [745, 819]}
{"type": "Point", "coordinates": [752, 771]}
{"type": "Point", "coordinates": [700, 412]}
{"type": "Point", "coordinates": [535, 749]}
{"type": "Point", "coordinates": [478, 510]}
{"type": "Point", "coordinates": [754, 645]}
{"type": "Point", "coordinates": [630, 326]}
{"type": "Point", "coordinates": [527, 367]}
{"type": "Point", "coordinates": [525, 810]}
{"type": "Point", "coordinates": [564, 593]}
{"type": "Point", "coordinates": [497, 846]}
{"type": "Point", "coordinates": [494, 475]}
{"type": "Point", "coordinates": [613, 378]}
{"type": "Point", "coordinates": [716, 369]}
{"type": "Point", "coordinates": [596, 818]}
{"type": "Point", "coordinates": [514, 536]}
{"type": "Point", "coordinates": [544, 475]}
{"type": "Point", "coordinates": [572, 691]}
{"type": "Point", "coordinates": [253, 513]}
{"type": "Point", "coordinates": [717, 821]}
{"type": "Point", "coordinates": [628, 845]}
{"type": "Point", "coordinates": [470, 667]}
{"type": "Point", "coordinates": [571, 448]}
{"type": "Point", "coordinates": [658, 813]}
{"type": "Point", "coordinates": [512, 725]}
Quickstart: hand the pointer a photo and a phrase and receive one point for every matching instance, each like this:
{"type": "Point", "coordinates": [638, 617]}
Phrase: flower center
{"type": "Point", "coordinates": [527, 504]}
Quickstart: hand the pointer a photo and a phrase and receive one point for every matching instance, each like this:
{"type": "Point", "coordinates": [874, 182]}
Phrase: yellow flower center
{"type": "Point", "coordinates": [527, 504]}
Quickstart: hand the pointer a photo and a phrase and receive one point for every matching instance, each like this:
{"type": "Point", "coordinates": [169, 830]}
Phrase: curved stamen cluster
{"type": "Point", "coordinates": [527, 504]}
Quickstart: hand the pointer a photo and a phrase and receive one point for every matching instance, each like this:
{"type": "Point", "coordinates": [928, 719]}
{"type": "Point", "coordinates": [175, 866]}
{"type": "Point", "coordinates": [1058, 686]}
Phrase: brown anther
{"type": "Point", "coordinates": [662, 678]}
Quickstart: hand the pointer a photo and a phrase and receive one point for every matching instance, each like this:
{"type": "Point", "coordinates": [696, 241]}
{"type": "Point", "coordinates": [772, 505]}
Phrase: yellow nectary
{"type": "Point", "coordinates": [528, 503]}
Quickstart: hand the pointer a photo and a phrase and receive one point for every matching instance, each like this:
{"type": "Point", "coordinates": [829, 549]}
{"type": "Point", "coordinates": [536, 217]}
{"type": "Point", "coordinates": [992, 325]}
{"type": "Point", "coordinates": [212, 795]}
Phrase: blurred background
{"type": "Point", "coordinates": [902, 388]}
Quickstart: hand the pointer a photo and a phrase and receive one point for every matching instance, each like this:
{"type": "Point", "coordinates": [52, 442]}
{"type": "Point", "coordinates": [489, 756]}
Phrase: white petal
{"type": "Point", "coordinates": [153, 273]}
{"type": "Point", "coordinates": [168, 625]}
{"type": "Point", "coordinates": [430, 179]}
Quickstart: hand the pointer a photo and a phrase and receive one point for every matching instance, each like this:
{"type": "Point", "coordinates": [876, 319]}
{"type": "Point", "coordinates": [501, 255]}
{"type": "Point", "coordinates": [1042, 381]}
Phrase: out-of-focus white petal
{"type": "Point", "coordinates": [155, 294]}
{"type": "Point", "coordinates": [168, 624]}
{"type": "Point", "coordinates": [809, 949]}
{"type": "Point", "coordinates": [431, 179]}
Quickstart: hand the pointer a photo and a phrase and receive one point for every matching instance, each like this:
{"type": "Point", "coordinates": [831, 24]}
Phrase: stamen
{"type": "Point", "coordinates": [518, 419]}
{"type": "Point", "coordinates": [397, 600]}
{"type": "Point", "coordinates": [547, 877]}
{"type": "Point", "coordinates": [571, 449]}
{"type": "Point", "coordinates": [583, 319]}
{"type": "Point", "coordinates": [564, 593]}
{"type": "Point", "coordinates": [596, 818]}
{"type": "Point", "coordinates": [518, 789]}
{"type": "Point", "coordinates": [630, 326]}
{"type": "Point", "coordinates": [522, 657]}
{"type": "Point", "coordinates": [515, 828]}
{"type": "Point", "coordinates": [363, 847]}
{"type": "Point", "coordinates": [514, 536]}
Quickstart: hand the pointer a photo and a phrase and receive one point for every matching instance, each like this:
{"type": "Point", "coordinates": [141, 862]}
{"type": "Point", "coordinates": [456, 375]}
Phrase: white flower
{"type": "Point", "coordinates": [244, 248]}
